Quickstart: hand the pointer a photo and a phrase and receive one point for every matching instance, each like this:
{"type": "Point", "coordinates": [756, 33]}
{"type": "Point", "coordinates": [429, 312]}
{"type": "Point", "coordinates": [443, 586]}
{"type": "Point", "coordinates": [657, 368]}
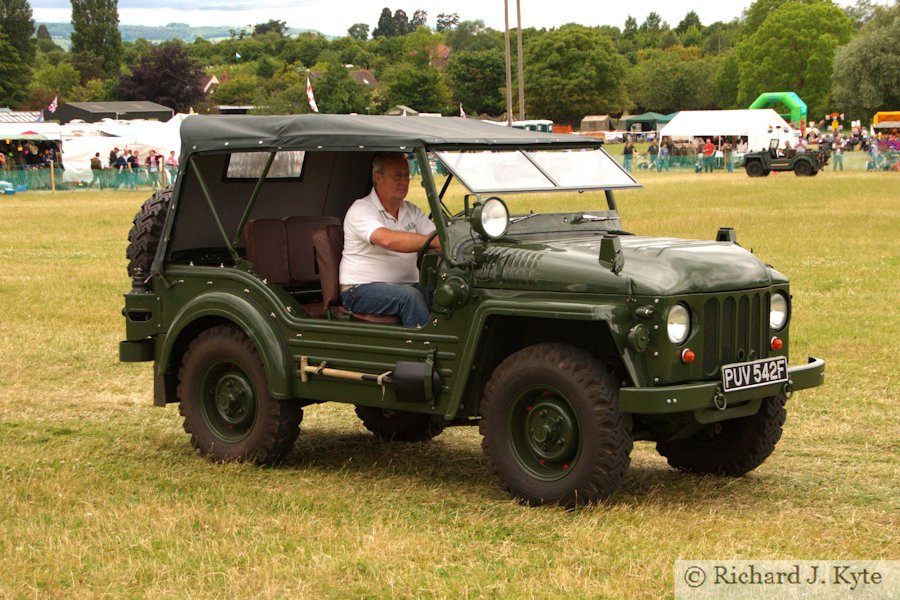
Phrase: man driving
{"type": "Point", "coordinates": [382, 233]}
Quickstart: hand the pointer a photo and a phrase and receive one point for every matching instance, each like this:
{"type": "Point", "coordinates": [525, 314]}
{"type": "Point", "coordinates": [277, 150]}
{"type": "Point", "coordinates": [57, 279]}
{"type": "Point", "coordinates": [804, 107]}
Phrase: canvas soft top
{"type": "Point", "coordinates": [201, 133]}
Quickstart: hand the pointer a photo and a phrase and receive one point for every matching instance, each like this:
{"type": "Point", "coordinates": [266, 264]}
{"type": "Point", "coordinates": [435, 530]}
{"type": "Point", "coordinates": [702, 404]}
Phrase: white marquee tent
{"type": "Point", "coordinates": [81, 140]}
{"type": "Point", "coordinates": [758, 126]}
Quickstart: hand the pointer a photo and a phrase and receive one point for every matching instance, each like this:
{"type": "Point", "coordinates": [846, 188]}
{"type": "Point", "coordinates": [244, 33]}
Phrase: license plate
{"type": "Point", "coordinates": [742, 376]}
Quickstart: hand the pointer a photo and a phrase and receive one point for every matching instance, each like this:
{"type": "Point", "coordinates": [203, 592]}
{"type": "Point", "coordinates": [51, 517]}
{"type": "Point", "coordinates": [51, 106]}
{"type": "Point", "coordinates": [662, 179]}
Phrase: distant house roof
{"type": "Point", "coordinates": [22, 116]}
{"type": "Point", "coordinates": [440, 56]}
{"type": "Point", "coordinates": [92, 112]}
{"type": "Point", "coordinates": [364, 77]}
{"type": "Point", "coordinates": [209, 83]}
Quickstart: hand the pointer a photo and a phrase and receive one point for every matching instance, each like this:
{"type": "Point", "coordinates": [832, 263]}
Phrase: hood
{"type": "Point", "coordinates": [655, 266]}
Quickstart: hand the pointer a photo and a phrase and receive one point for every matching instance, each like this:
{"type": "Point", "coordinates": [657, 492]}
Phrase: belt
{"type": "Point", "coordinates": [348, 287]}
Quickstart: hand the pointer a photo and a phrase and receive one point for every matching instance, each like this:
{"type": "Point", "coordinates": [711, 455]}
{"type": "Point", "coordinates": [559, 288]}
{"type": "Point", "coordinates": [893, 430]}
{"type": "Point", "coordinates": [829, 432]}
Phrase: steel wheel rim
{"type": "Point", "coordinates": [228, 402]}
{"type": "Point", "coordinates": [544, 433]}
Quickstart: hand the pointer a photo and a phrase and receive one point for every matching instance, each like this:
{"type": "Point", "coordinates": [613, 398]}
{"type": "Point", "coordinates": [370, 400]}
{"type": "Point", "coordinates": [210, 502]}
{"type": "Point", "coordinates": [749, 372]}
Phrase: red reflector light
{"type": "Point", "coordinates": [776, 343]}
{"type": "Point", "coordinates": [687, 356]}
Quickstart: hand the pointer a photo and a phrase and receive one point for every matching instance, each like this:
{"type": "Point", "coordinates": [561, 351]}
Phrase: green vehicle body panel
{"type": "Point", "coordinates": [580, 284]}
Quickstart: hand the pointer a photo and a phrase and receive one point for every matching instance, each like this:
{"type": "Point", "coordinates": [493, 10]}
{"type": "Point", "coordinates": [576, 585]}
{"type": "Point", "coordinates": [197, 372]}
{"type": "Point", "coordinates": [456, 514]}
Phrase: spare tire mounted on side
{"type": "Point", "coordinates": [145, 234]}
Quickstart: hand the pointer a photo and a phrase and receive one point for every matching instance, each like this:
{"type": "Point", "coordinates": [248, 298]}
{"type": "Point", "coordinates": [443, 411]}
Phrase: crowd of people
{"type": "Point", "coordinates": [707, 155]}
{"type": "Point", "coordinates": [126, 169]}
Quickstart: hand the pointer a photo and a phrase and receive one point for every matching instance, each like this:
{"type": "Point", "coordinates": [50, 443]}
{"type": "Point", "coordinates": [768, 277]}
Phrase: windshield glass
{"type": "Point", "coordinates": [542, 170]}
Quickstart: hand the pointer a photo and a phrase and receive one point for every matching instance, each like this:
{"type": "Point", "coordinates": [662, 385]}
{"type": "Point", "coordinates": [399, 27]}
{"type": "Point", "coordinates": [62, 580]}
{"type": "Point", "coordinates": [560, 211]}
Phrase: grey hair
{"type": "Point", "coordinates": [383, 157]}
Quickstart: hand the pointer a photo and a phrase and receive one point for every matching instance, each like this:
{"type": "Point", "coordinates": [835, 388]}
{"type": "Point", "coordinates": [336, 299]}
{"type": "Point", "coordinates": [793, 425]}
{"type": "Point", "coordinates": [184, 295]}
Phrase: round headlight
{"type": "Point", "coordinates": [778, 311]}
{"type": "Point", "coordinates": [491, 218]}
{"type": "Point", "coordinates": [678, 323]}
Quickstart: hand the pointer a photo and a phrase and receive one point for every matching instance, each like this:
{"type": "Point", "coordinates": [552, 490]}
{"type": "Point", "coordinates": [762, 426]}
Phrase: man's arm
{"type": "Point", "coordinates": [401, 241]}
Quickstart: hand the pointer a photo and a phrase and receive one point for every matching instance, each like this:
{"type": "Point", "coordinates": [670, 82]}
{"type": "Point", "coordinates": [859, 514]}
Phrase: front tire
{"type": "Point", "coordinates": [399, 426]}
{"type": "Point", "coordinates": [731, 448]}
{"type": "Point", "coordinates": [225, 401]}
{"type": "Point", "coordinates": [551, 428]}
{"type": "Point", "coordinates": [754, 168]}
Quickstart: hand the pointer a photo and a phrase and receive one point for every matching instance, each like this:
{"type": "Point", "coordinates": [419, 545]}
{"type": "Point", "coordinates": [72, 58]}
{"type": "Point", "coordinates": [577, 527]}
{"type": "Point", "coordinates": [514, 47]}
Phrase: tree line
{"type": "Point", "coordinates": [835, 59]}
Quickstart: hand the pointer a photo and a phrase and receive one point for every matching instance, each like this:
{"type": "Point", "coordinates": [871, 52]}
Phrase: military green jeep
{"type": "Point", "coordinates": [562, 336]}
{"type": "Point", "coordinates": [804, 163]}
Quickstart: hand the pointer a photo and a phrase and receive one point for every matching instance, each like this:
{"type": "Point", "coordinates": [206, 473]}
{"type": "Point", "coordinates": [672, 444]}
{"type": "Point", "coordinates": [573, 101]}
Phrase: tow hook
{"type": "Point", "coordinates": [720, 401]}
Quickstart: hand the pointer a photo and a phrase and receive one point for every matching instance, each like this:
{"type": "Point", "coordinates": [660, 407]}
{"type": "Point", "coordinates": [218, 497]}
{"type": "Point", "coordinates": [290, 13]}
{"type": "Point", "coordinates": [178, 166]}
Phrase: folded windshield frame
{"type": "Point", "coordinates": [524, 170]}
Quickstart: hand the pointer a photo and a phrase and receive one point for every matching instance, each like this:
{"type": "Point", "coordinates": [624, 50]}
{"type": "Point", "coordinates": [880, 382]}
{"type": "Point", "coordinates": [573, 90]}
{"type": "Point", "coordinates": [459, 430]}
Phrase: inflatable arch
{"type": "Point", "coordinates": [789, 99]}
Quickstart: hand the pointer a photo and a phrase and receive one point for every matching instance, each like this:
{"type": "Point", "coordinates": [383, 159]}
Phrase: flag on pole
{"type": "Point", "coordinates": [310, 96]}
{"type": "Point", "coordinates": [53, 105]}
{"type": "Point", "coordinates": [462, 113]}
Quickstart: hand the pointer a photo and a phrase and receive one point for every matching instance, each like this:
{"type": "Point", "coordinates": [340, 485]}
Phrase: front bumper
{"type": "Point", "coordinates": [708, 395]}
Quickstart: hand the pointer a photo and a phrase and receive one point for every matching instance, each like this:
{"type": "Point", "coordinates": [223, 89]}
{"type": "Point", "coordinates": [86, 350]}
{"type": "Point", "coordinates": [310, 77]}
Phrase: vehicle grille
{"type": "Point", "coordinates": [734, 329]}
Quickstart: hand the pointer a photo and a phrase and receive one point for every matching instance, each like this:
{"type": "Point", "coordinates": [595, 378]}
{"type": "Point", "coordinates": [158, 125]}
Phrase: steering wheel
{"type": "Point", "coordinates": [420, 255]}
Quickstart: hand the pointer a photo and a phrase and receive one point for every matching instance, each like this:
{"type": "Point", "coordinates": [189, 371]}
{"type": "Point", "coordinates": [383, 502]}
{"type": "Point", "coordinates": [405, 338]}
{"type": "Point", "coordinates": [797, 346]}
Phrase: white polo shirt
{"type": "Point", "coordinates": [363, 261]}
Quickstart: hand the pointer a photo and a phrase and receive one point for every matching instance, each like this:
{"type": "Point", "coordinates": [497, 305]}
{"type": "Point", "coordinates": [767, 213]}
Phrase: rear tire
{"type": "Point", "coordinates": [225, 401]}
{"type": "Point", "coordinates": [399, 426]}
{"type": "Point", "coordinates": [551, 427]}
{"type": "Point", "coordinates": [730, 448]}
{"type": "Point", "coordinates": [802, 169]}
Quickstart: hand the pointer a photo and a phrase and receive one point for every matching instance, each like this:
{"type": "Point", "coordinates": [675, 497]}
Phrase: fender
{"type": "Point", "coordinates": [252, 320]}
{"type": "Point", "coordinates": [611, 314]}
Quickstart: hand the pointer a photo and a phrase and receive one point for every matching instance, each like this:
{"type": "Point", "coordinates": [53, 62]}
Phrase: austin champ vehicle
{"type": "Point", "coordinates": [564, 337]}
{"type": "Point", "coordinates": [804, 163]}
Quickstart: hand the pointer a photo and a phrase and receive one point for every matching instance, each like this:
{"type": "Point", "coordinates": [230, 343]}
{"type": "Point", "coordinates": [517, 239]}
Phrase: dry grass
{"type": "Point", "coordinates": [100, 494]}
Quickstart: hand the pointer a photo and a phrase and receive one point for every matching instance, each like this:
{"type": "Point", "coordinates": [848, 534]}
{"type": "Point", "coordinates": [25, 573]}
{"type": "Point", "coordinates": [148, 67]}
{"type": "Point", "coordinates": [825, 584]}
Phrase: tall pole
{"type": "Point", "coordinates": [509, 116]}
{"type": "Point", "coordinates": [519, 52]}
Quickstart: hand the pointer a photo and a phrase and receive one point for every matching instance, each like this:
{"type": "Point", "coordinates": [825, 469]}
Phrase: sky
{"type": "Point", "coordinates": [334, 17]}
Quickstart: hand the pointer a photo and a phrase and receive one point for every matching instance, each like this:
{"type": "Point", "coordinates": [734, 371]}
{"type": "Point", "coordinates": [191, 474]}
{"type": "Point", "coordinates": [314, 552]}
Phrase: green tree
{"type": "Point", "coordinates": [45, 41]}
{"type": "Point", "coordinates": [726, 82]}
{"type": "Point", "coordinates": [775, 58]}
{"type": "Point", "coordinates": [238, 90]}
{"type": "Point", "coordinates": [663, 82]}
{"type": "Point", "coordinates": [14, 75]}
{"type": "Point", "coordinates": [692, 19]}
{"type": "Point", "coordinates": [470, 36]}
{"type": "Point", "coordinates": [60, 79]}
{"type": "Point", "coordinates": [279, 28]}
{"type": "Point", "coordinates": [417, 85]}
{"type": "Point", "coordinates": [166, 75]}
{"type": "Point", "coordinates": [477, 79]}
{"type": "Point", "coordinates": [359, 32]}
{"type": "Point", "coordinates": [338, 92]}
{"type": "Point", "coordinates": [95, 32]}
{"type": "Point", "coordinates": [386, 27]}
{"type": "Point", "coordinates": [571, 72]}
{"type": "Point", "coordinates": [866, 75]}
{"type": "Point", "coordinates": [447, 21]}
{"type": "Point", "coordinates": [16, 22]}
{"type": "Point", "coordinates": [304, 49]}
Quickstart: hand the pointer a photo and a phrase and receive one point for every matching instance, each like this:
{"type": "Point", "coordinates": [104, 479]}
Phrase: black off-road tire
{"type": "Point", "coordinates": [143, 239]}
{"type": "Point", "coordinates": [754, 168]}
{"type": "Point", "coordinates": [225, 401]}
{"type": "Point", "coordinates": [551, 427]}
{"type": "Point", "coordinates": [802, 169]}
{"type": "Point", "coordinates": [399, 426]}
{"type": "Point", "coordinates": [731, 448]}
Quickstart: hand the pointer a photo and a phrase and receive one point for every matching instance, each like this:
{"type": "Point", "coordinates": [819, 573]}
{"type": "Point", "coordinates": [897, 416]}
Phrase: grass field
{"type": "Point", "coordinates": [101, 494]}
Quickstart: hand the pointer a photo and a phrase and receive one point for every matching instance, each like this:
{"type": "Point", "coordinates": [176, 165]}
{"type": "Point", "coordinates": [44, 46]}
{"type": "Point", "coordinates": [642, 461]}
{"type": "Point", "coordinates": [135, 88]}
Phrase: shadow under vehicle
{"type": "Point", "coordinates": [805, 163]}
{"type": "Point", "coordinates": [560, 335]}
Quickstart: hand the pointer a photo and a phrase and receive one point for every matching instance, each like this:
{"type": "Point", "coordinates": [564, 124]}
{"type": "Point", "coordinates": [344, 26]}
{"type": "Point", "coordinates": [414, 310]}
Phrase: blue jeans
{"type": "Point", "coordinates": [407, 301]}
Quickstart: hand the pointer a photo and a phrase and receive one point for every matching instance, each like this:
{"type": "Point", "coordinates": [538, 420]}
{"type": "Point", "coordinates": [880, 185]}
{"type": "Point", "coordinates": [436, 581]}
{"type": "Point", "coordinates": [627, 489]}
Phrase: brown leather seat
{"type": "Point", "coordinates": [281, 251]}
{"type": "Point", "coordinates": [328, 241]}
